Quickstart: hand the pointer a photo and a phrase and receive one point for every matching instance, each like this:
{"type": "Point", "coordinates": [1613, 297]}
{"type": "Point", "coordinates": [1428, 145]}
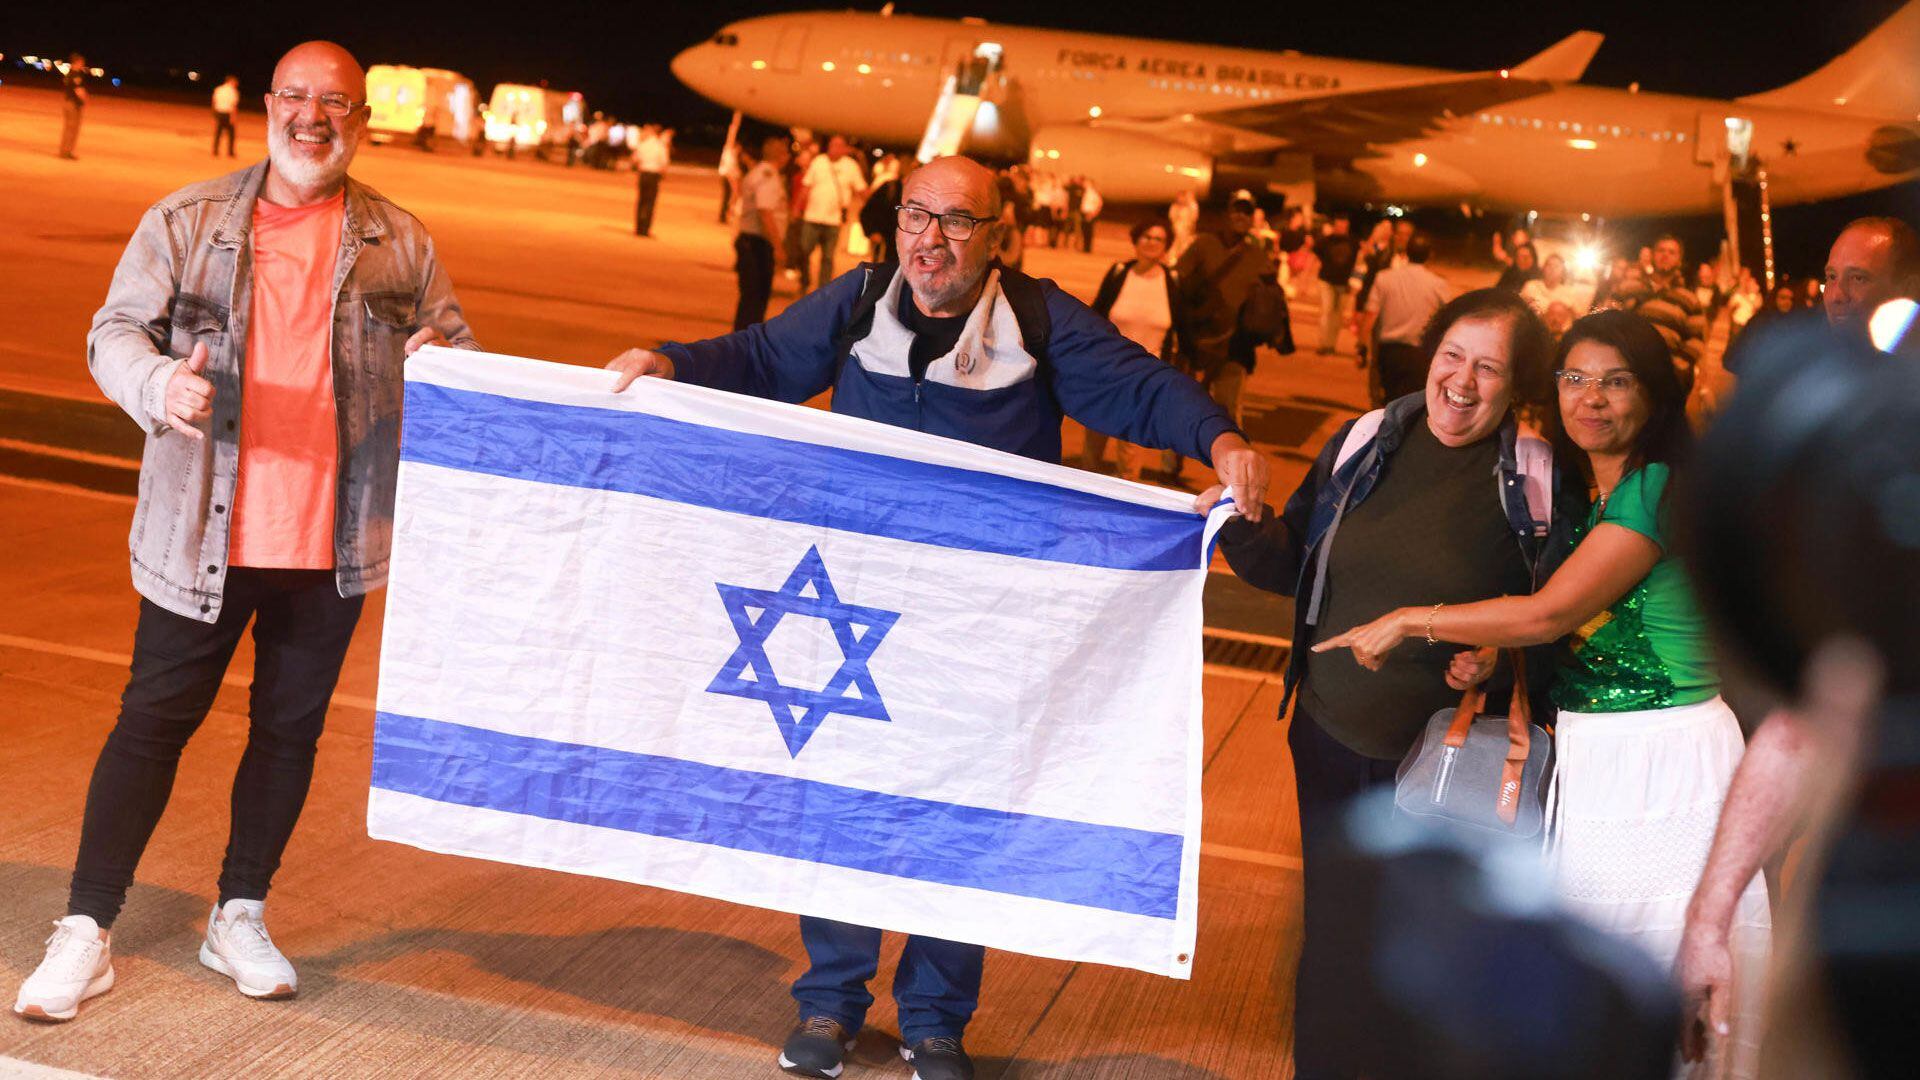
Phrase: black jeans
{"type": "Point", "coordinates": [643, 207]}
{"type": "Point", "coordinates": [753, 265]}
{"type": "Point", "coordinates": [301, 628]}
{"type": "Point", "coordinates": [222, 127]}
{"type": "Point", "coordinates": [1327, 776]}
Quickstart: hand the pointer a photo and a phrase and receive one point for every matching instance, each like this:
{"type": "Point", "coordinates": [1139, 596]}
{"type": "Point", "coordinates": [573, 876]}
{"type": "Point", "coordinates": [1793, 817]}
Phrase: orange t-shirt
{"type": "Point", "coordinates": [289, 450]}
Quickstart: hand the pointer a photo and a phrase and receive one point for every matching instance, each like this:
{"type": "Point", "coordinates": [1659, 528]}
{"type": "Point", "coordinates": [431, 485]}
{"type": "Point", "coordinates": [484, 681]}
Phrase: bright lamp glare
{"type": "Point", "coordinates": [1892, 322]}
{"type": "Point", "coordinates": [1586, 258]}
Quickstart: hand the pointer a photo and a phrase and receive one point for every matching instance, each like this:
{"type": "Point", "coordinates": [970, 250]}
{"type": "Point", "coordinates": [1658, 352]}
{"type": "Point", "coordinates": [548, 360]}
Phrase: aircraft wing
{"type": "Point", "coordinates": [1345, 123]}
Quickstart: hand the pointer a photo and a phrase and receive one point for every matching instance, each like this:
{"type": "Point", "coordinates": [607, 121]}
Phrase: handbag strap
{"type": "Point", "coordinates": [1519, 732]}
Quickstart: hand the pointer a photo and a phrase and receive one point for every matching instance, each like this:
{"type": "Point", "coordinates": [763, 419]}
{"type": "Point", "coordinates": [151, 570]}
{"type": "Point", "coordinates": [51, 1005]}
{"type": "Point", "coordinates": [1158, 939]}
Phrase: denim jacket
{"type": "Point", "coordinates": [186, 278]}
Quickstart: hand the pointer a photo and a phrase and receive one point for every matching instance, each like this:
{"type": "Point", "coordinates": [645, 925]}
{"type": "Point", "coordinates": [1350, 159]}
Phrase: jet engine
{"type": "Point", "coordinates": [1124, 166]}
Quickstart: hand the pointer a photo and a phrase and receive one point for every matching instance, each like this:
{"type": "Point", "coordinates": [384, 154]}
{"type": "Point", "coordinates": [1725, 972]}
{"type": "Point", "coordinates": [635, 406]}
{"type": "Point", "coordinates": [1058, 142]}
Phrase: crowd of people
{"type": "Point", "coordinates": [1052, 210]}
{"type": "Point", "coordinates": [1412, 537]}
{"type": "Point", "coordinates": [1590, 584]}
{"type": "Point", "coordinates": [1515, 488]}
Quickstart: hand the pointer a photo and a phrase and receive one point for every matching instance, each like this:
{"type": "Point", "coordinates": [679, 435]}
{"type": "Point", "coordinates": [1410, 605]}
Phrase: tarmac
{"type": "Point", "coordinates": [415, 964]}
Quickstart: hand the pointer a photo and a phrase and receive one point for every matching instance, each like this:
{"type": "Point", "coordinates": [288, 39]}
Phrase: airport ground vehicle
{"type": "Point", "coordinates": [405, 100]}
{"type": "Point", "coordinates": [531, 117]}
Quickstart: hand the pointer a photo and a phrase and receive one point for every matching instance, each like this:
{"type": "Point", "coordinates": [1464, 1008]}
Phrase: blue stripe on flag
{"type": "Point", "coordinates": [1074, 862]}
{"type": "Point", "coordinates": [801, 482]}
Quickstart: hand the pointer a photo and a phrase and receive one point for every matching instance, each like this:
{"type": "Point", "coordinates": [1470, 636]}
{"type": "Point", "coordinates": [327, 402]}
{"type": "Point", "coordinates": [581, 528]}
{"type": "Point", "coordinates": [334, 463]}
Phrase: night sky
{"type": "Point", "coordinates": [617, 53]}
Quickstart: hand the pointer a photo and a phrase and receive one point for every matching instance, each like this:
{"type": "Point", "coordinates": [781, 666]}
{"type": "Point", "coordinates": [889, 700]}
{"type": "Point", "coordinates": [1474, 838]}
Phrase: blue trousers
{"type": "Point", "coordinates": [937, 987]}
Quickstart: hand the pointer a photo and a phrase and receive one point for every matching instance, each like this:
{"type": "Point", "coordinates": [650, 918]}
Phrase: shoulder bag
{"type": "Point", "coordinates": [1482, 773]}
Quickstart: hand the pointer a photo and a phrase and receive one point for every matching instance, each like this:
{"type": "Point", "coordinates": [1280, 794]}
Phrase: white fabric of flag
{"type": "Point", "coordinates": [782, 657]}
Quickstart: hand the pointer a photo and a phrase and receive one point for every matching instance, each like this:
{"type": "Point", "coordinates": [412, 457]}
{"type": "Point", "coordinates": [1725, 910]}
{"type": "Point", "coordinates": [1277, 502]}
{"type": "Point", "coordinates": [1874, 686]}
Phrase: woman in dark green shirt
{"type": "Point", "coordinates": [1644, 746]}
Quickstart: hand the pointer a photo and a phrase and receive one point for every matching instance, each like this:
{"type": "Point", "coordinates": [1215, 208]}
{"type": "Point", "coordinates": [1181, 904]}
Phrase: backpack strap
{"type": "Point", "coordinates": [1534, 455]}
{"type": "Point", "coordinates": [1362, 432]}
{"type": "Point", "coordinates": [860, 319]}
{"type": "Point", "coordinates": [1029, 304]}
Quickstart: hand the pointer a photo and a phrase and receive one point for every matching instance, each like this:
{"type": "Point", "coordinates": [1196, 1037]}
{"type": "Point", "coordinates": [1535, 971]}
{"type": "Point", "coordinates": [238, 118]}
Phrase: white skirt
{"type": "Point", "coordinates": [1634, 802]}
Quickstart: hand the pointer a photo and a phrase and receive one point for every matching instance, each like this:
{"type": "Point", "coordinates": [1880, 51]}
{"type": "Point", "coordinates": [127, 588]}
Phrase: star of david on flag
{"type": "Point", "coordinates": [808, 593]}
{"type": "Point", "coordinates": [597, 600]}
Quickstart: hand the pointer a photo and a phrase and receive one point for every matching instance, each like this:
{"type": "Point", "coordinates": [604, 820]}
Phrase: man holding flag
{"type": "Point", "coordinates": [949, 343]}
{"type": "Point", "coordinates": [255, 329]}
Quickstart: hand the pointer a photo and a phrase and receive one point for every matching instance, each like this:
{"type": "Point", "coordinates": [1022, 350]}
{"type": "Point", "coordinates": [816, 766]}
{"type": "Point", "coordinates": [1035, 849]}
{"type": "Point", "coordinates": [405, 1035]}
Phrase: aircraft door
{"type": "Point", "coordinates": [972, 63]}
{"type": "Point", "coordinates": [1719, 136]}
{"type": "Point", "coordinates": [960, 113]}
{"type": "Point", "coordinates": [787, 51]}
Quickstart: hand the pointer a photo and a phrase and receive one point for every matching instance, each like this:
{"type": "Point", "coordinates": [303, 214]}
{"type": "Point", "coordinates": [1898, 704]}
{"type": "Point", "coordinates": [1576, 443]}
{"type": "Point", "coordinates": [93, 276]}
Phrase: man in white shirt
{"type": "Point", "coordinates": [650, 157]}
{"type": "Point", "coordinates": [763, 222]}
{"type": "Point", "coordinates": [1091, 204]}
{"type": "Point", "coordinates": [226, 102]}
{"type": "Point", "coordinates": [1402, 300]}
{"type": "Point", "coordinates": [832, 184]}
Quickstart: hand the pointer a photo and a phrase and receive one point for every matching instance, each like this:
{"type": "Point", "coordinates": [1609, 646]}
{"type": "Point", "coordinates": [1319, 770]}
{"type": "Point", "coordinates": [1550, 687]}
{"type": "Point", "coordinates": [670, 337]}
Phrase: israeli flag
{"type": "Point", "coordinates": [776, 656]}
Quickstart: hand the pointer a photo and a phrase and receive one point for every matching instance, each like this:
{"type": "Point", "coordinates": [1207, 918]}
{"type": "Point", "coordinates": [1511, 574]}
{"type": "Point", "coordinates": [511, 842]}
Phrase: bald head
{"type": "Point", "coordinates": [1873, 261]}
{"type": "Point", "coordinates": [321, 66]}
{"type": "Point", "coordinates": [316, 113]}
{"type": "Point", "coordinates": [946, 275]}
{"type": "Point", "coordinates": [957, 178]}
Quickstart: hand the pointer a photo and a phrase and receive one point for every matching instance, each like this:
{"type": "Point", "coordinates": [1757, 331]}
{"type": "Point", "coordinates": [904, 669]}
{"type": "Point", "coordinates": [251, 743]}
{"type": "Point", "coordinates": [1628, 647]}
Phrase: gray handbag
{"type": "Point", "coordinates": [1485, 773]}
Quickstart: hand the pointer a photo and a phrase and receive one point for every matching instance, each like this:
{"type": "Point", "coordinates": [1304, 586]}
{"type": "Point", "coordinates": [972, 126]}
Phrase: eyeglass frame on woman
{"type": "Point", "coordinates": [900, 214]}
{"type": "Point", "coordinates": [1613, 382]}
{"type": "Point", "coordinates": [1156, 236]}
{"type": "Point", "coordinates": [297, 97]}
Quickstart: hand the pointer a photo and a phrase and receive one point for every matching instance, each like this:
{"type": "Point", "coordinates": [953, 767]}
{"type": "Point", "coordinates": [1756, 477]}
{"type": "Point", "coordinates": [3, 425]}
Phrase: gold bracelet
{"type": "Point", "coordinates": [1431, 612]}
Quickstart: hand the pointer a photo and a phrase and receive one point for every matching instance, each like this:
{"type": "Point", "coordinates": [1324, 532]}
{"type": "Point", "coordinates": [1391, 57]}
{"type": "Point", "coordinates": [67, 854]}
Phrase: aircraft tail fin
{"type": "Point", "coordinates": [1879, 76]}
{"type": "Point", "coordinates": [1564, 61]}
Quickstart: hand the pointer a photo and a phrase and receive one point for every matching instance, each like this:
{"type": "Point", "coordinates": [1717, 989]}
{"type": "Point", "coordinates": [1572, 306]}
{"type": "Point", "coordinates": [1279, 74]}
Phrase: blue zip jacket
{"type": "Point", "coordinates": [1089, 371]}
{"type": "Point", "coordinates": [1286, 553]}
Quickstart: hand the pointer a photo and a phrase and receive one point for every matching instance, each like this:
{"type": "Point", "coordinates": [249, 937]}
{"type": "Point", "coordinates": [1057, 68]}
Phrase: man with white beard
{"type": "Point", "coordinates": [255, 329]}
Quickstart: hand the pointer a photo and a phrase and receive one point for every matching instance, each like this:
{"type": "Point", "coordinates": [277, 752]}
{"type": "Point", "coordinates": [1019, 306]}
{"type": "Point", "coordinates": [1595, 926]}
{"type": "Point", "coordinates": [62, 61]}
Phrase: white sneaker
{"type": "Point", "coordinates": [238, 947]}
{"type": "Point", "coordinates": [79, 965]}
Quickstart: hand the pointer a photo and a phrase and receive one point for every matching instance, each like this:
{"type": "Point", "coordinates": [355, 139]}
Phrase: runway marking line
{"type": "Point", "coordinates": [354, 701]}
{"type": "Point", "coordinates": [87, 456]}
{"type": "Point", "coordinates": [1241, 635]}
{"type": "Point", "coordinates": [1251, 855]}
{"type": "Point", "coordinates": [13, 1068]}
{"type": "Point", "coordinates": [102, 656]}
{"type": "Point", "coordinates": [67, 489]}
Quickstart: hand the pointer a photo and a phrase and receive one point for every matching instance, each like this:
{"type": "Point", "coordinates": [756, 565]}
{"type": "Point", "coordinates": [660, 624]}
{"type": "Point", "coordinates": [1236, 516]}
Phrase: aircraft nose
{"type": "Point", "coordinates": [687, 64]}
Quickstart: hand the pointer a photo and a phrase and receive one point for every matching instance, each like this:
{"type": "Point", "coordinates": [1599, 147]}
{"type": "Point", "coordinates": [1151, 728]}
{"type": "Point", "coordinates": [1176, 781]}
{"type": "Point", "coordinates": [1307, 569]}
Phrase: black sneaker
{"type": "Point", "coordinates": [816, 1047]}
{"type": "Point", "coordinates": [938, 1058]}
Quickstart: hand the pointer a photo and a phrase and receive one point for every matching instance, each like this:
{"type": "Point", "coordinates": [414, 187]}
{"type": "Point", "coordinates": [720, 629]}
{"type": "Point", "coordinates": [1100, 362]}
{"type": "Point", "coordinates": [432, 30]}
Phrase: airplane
{"type": "Point", "coordinates": [1146, 119]}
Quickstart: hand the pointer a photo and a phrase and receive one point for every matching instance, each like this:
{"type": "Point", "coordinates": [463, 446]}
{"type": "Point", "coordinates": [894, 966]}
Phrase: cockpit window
{"type": "Point", "coordinates": [724, 38]}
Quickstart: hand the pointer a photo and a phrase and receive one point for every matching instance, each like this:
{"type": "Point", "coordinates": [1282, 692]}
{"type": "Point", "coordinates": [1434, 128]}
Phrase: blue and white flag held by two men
{"type": "Point", "coordinates": [776, 656]}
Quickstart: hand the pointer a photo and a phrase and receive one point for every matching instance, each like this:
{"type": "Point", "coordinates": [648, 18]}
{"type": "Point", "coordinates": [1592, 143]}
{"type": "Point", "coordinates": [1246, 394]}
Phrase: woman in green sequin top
{"type": "Point", "coordinates": [1644, 746]}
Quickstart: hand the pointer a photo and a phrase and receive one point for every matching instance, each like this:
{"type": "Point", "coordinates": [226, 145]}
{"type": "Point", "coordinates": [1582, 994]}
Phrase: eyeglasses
{"type": "Point", "coordinates": [1158, 238]}
{"type": "Point", "coordinates": [1613, 383]}
{"type": "Point", "coordinates": [953, 225]}
{"type": "Point", "coordinates": [333, 103]}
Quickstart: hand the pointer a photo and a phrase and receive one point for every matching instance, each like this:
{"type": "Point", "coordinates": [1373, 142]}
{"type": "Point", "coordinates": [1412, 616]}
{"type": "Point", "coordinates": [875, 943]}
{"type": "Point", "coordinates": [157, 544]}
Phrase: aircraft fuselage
{"type": "Point", "coordinates": [1572, 149]}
